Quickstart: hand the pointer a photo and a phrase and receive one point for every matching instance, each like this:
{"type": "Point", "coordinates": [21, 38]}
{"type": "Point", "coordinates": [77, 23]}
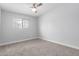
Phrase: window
{"type": "Point", "coordinates": [25, 23]}
{"type": "Point", "coordinates": [22, 23]}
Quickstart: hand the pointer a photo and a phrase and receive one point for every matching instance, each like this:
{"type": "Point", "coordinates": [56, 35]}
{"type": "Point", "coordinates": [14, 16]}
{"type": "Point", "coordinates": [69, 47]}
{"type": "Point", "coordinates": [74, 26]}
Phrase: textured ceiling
{"type": "Point", "coordinates": [25, 8]}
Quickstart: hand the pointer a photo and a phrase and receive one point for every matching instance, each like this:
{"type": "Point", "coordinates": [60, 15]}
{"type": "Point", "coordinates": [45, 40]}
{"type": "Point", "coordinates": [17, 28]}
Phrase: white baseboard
{"type": "Point", "coordinates": [71, 46]}
{"type": "Point", "coordinates": [64, 44]}
{"type": "Point", "coordinates": [7, 43]}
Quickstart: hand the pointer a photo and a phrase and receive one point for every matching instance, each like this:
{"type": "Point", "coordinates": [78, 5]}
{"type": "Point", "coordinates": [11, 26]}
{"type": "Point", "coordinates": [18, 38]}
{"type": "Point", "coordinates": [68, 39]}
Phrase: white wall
{"type": "Point", "coordinates": [61, 25]}
{"type": "Point", "coordinates": [0, 25]}
{"type": "Point", "coordinates": [11, 33]}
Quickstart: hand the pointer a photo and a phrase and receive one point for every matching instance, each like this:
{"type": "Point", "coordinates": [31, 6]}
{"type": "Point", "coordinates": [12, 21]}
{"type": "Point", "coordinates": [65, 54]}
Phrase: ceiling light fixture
{"type": "Point", "coordinates": [35, 6]}
{"type": "Point", "coordinates": [34, 10]}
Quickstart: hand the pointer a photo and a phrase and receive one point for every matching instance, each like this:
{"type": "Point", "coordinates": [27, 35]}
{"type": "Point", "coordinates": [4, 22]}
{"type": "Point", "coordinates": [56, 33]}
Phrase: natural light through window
{"type": "Point", "coordinates": [22, 23]}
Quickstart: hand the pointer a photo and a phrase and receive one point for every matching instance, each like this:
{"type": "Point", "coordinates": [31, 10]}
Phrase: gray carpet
{"type": "Point", "coordinates": [37, 47]}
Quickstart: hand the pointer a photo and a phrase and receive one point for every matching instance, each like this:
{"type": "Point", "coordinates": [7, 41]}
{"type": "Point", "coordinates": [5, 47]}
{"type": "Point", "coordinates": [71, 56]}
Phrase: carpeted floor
{"type": "Point", "coordinates": [37, 47]}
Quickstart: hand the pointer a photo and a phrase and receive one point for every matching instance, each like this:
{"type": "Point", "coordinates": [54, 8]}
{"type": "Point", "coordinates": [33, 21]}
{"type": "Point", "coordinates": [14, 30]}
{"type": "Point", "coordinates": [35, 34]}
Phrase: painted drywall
{"type": "Point", "coordinates": [0, 25]}
{"type": "Point", "coordinates": [61, 25]}
{"type": "Point", "coordinates": [11, 32]}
